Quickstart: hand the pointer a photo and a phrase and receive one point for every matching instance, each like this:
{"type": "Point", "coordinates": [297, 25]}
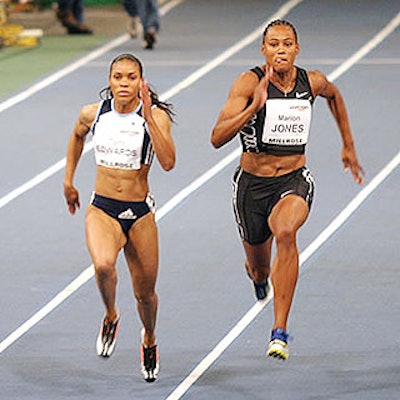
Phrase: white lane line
{"type": "Point", "coordinates": [78, 64]}
{"type": "Point", "coordinates": [244, 62]}
{"type": "Point", "coordinates": [88, 272]}
{"type": "Point", "coordinates": [345, 214]}
{"type": "Point", "coordinates": [231, 51]}
{"type": "Point", "coordinates": [238, 329]}
{"type": "Point", "coordinates": [377, 39]}
{"type": "Point", "coordinates": [229, 338]}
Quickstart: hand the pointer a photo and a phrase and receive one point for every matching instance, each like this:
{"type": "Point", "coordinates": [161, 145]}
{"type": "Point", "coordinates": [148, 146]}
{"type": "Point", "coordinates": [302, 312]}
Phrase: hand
{"type": "Point", "coordinates": [146, 99]}
{"type": "Point", "coordinates": [72, 196]}
{"type": "Point", "coordinates": [261, 91]}
{"type": "Point", "coordinates": [350, 161]}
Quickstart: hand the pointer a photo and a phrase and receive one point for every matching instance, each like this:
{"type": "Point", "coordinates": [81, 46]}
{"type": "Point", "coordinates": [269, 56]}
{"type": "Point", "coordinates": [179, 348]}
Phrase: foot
{"type": "Point", "coordinates": [150, 363]}
{"type": "Point", "coordinates": [79, 29]}
{"type": "Point", "coordinates": [133, 27]}
{"type": "Point", "coordinates": [278, 346]}
{"type": "Point", "coordinates": [150, 39]}
{"type": "Point", "coordinates": [106, 340]}
{"type": "Point", "coordinates": [261, 290]}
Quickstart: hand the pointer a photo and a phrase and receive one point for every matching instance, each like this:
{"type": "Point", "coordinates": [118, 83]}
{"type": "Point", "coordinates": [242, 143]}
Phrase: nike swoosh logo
{"type": "Point", "coordinates": [302, 94]}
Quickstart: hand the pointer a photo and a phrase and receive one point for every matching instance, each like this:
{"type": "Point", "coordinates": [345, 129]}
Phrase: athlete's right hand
{"type": "Point", "coordinates": [261, 90]}
{"type": "Point", "coordinates": [72, 197]}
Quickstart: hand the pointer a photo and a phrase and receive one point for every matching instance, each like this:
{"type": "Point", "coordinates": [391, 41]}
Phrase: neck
{"type": "Point", "coordinates": [285, 80]}
{"type": "Point", "coordinates": [126, 107]}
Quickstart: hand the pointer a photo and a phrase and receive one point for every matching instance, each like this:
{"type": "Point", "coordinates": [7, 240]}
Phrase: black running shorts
{"type": "Point", "coordinates": [254, 197]}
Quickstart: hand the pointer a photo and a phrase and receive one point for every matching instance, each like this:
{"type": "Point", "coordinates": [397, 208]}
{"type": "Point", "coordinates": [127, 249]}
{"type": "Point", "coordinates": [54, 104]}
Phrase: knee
{"type": "Point", "coordinates": [146, 298]}
{"type": "Point", "coordinates": [105, 270]}
{"type": "Point", "coordinates": [285, 236]}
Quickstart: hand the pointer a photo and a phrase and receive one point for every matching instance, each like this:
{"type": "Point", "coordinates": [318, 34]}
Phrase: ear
{"type": "Point", "coordinates": [297, 49]}
{"type": "Point", "coordinates": [263, 49]}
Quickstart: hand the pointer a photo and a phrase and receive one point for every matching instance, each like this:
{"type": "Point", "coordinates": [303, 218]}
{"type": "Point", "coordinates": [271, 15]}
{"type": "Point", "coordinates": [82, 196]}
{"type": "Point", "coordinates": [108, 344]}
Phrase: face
{"type": "Point", "coordinates": [125, 80]}
{"type": "Point", "coordinates": [280, 48]}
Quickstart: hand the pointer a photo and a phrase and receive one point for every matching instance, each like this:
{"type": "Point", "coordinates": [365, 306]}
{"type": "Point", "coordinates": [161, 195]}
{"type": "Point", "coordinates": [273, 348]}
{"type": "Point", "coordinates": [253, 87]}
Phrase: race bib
{"type": "Point", "coordinates": [118, 141]}
{"type": "Point", "coordinates": [287, 122]}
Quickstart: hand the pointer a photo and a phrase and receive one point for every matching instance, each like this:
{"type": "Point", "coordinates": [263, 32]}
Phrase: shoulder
{"type": "Point", "coordinates": [318, 81]}
{"type": "Point", "coordinates": [88, 113]}
{"type": "Point", "coordinates": [161, 115]}
{"type": "Point", "coordinates": [246, 82]}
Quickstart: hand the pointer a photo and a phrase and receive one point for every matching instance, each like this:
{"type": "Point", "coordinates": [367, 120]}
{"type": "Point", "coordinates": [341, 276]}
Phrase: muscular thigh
{"type": "Point", "coordinates": [141, 250]}
{"type": "Point", "coordinates": [288, 215]}
{"type": "Point", "coordinates": [104, 236]}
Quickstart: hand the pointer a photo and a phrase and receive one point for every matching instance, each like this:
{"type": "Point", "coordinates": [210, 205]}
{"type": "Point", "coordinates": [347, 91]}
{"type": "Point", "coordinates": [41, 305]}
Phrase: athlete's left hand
{"type": "Point", "coordinates": [350, 161]}
{"type": "Point", "coordinates": [146, 99]}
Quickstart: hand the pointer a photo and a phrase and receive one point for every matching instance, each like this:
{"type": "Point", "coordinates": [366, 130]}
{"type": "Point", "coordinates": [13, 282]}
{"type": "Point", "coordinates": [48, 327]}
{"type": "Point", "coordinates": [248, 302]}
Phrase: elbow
{"type": "Point", "coordinates": [168, 164]}
{"type": "Point", "coordinates": [215, 142]}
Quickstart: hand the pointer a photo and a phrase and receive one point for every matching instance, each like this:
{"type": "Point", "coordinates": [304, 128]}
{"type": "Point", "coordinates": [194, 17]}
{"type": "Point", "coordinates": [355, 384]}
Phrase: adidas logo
{"type": "Point", "coordinates": [127, 214]}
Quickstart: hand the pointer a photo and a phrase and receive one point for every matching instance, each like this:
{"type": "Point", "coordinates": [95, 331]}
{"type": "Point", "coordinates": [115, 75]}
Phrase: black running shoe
{"type": "Point", "coordinates": [106, 340]}
{"type": "Point", "coordinates": [150, 361]}
{"type": "Point", "coordinates": [261, 290]}
{"type": "Point", "coordinates": [149, 40]}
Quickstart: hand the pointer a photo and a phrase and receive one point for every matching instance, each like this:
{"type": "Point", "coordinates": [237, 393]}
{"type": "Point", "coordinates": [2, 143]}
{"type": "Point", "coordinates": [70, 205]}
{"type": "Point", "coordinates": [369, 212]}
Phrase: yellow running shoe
{"type": "Point", "coordinates": [278, 346]}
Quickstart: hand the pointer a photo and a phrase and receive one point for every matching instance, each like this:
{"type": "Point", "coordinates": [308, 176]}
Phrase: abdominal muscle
{"type": "Point", "coordinates": [124, 185]}
{"type": "Point", "coordinates": [268, 165]}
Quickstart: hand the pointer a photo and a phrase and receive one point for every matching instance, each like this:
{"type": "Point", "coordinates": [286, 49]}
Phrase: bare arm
{"type": "Point", "coordinates": [74, 152]}
{"type": "Point", "coordinates": [159, 125]}
{"type": "Point", "coordinates": [236, 111]}
{"type": "Point", "coordinates": [322, 87]}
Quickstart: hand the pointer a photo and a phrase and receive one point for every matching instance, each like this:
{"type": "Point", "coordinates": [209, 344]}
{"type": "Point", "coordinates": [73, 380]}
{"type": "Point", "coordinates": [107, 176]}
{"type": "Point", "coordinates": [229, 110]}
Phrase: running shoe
{"type": "Point", "coordinates": [261, 290]}
{"type": "Point", "coordinates": [150, 39]}
{"type": "Point", "coordinates": [150, 361]}
{"type": "Point", "coordinates": [278, 346]}
{"type": "Point", "coordinates": [106, 340]}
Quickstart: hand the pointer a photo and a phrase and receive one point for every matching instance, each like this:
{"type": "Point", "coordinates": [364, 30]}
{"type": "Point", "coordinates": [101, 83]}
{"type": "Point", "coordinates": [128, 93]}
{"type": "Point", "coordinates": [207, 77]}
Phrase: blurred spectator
{"type": "Point", "coordinates": [70, 14]}
{"type": "Point", "coordinates": [147, 12]}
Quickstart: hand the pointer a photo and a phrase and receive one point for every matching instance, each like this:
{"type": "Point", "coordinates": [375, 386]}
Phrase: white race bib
{"type": "Point", "coordinates": [118, 141]}
{"type": "Point", "coordinates": [287, 122]}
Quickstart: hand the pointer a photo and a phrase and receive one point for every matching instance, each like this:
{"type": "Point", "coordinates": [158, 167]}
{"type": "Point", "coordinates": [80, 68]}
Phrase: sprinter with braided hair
{"type": "Point", "coordinates": [270, 107]}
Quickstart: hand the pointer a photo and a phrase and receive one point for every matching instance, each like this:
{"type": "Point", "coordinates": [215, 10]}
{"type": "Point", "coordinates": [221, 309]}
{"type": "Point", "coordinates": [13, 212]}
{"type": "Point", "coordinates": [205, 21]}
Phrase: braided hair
{"type": "Point", "coordinates": [280, 22]}
{"type": "Point", "coordinates": [106, 93]}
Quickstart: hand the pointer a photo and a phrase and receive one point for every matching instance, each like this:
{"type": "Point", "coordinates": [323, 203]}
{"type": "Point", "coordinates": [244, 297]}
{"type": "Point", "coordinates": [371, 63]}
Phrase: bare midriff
{"type": "Point", "coordinates": [120, 184]}
{"type": "Point", "coordinates": [268, 165]}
